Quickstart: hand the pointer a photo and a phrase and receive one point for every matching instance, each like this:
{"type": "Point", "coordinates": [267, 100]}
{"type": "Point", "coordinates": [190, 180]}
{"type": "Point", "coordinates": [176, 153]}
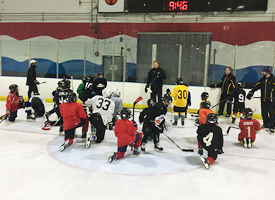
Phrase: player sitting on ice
{"type": "Point", "coordinates": [38, 104]}
{"type": "Point", "coordinates": [180, 95]}
{"type": "Point", "coordinates": [118, 106]}
{"type": "Point", "coordinates": [154, 121]}
{"type": "Point", "coordinates": [125, 132]}
{"type": "Point", "coordinates": [204, 111]}
{"type": "Point", "coordinates": [102, 113]}
{"type": "Point", "coordinates": [210, 138]}
{"type": "Point", "coordinates": [248, 128]}
{"type": "Point", "coordinates": [74, 116]}
{"type": "Point", "coordinates": [15, 102]}
{"type": "Point", "coordinates": [143, 113]}
{"type": "Point", "coordinates": [239, 98]}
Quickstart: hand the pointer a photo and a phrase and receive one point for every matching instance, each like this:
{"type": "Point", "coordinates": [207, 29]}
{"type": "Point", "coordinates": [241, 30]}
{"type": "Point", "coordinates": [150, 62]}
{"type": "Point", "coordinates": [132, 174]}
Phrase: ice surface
{"type": "Point", "coordinates": [32, 167]}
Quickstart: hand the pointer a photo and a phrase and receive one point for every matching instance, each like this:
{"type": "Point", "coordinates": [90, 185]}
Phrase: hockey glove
{"type": "Point", "coordinates": [135, 124]}
{"type": "Point", "coordinates": [36, 82]}
{"type": "Point", "coordinates": [249, 95]}
{"type": "Point", "coordinates": [159, 121]}
{"type": "Point", "coordinates": [21, 99]}
{"type": "Point", "coordinates": [213, 86]}
{"type": "Point", "coordinates": [168, 91]}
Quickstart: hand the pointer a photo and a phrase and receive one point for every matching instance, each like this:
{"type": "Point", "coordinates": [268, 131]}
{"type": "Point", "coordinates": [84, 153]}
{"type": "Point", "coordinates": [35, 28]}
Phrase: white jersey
{"type": "Point", "coordinates": [104, 106]}
{"type": "Point", "coordinates": [40, 97]}
{"type": "Point", "coordinates": [118, 104]}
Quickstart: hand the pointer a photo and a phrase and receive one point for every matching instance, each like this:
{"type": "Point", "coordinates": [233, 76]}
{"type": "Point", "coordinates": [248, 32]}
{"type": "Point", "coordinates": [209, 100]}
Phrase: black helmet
{"type": "Point", "coordinates": [100, 73]}
{"type": "Point", "coordinates": [240, 84]}
{"type": "Point", "coordinates": [61, 83]}
{"type": "Point", "coordinates": [151, 102]}
{"type": "Point", "coordinates": [67, 83]}
{"type": "Point", "coordinates": [84, 79]}
{"type": "Point", "coordinates": [71, 97]}
{"type": "Point", "coordinates": [125, 113]}
{"type": "Point", "coordinates": [167, 98]}
{"type": "Point", "coordinates": [205, 104]}
{"type": "Point", "coordinates": [212, 118]}
{"type": "Point", "coordinates": [204, 95]}
{"type": "Point", "coordinates": [179, 81]}
{"type": "Point", "coordinates": [90, 78]}
{"type": "Point", "coordinates": [247, 113]}
{"type": "Point", "coordinates": [13, 87]}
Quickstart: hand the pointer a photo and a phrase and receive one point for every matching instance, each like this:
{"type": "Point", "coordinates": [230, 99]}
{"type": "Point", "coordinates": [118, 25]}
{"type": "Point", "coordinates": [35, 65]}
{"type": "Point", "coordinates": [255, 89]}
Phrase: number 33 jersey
{"type": "Point", "coordinates": [104, 106]}
{"type": "Point", "coordinates": [210, 137]}
{"type": "Point", "coordinates": [180, 95]}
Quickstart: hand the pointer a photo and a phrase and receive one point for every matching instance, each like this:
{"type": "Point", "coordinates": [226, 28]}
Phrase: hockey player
{"type": "Point", "coordinates": [248, 127]}
{"type": "Point", "coordinates": [74, 116]}
{"type": "Point", "coordinates": [88, 91]}
{"type": "Point", "coordinates": [80, 88]}
{"type": "Point", "coordinates": [210, 138]}
{"type": "Point", "coordinates": [143, 113]}
{"type": "Point", "coordinates": [180, 95]}
{"type": "Point", "coordinates": [204, 97]}
{"type": "Point", "coordinates": [102, 113]}
{"type": "Point", "coordinates": [125, 132]}
{"type": "Point", "coordinates": [154, 121]}
{"type": "Point", "coordinates": [118, 106]}
{"type": "Point", "coordinates": [239, 98]}
{"type": "Point", "coordinates": [99, 84]}
{"type": "Point", "coordinates": [15, 102]}
{"type": "Point", "coordinates": [204, 111]}
{"type": "Point", "coordinates": [38, 104]}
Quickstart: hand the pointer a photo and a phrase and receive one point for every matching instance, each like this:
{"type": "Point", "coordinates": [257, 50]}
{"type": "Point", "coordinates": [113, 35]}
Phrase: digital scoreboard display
{"type": "Point", "coordinates": [161, 6]}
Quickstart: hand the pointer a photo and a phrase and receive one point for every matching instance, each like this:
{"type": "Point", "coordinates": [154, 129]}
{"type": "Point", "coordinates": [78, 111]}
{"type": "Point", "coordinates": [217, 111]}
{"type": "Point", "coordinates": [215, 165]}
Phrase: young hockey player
{"type": "Point", "coordinates": [38, 104]}
{"type": "Point", "coordinates": [204, 111]}
{"type": "Point", "coordinates": [80, 88]}
{"type": "Point", "coordinates": [210, 138]}
{"type": "Point", "coordinates": [143, 113]}
{"type": "Point", "coordinates": [125, 132]}
{"type": "Point", "coordinates": [88, 88]}
{"type": "Point", "coordinates": [248, 127]}
{"type": "Point", "coordinates": [99, 84]}
{"type": "Point", "coordinates": [102, 113]}
{"type": "Point", "coordinates": [239, 98]}
{"type": "Point", "coordinates": [74, 116]}
{"type": "Point", "coordinates": [118, 106]}
{"type": "Point", "coordinates": [15, 102]}
{"type": "Point", "coordinates": [154, 121]}
{"type": "Point", "coordinates": [204, 97]}
{"type": "Point", "coordinates": [180, 95]}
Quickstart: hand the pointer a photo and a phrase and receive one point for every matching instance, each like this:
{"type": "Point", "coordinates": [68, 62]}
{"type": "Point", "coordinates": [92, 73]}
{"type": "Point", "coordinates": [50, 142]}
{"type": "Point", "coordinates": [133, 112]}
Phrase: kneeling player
{"type": "Point", "coordinates": [248, 128]}
{"type": "Point", "coordinates": [38, 104]}
{"type": "Point", "coordinates": [73, 116]}
{"type": "Point", "coordinates": [204, 111]}
{"type": "Point", "coordinates": [125, 131]}
{"type": "Point", "coordinates": [210, 138]}
{"type": "Point", "coordinates": [15, 102]}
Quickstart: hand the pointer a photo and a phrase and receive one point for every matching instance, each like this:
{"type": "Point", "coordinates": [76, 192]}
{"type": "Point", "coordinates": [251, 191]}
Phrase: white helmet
{"type": "Point", "coordinates": [106, 92]}
{"type": "Point", "coordinates": [116, 92]}
{"type": "Point", "coordinates": [33, 61]}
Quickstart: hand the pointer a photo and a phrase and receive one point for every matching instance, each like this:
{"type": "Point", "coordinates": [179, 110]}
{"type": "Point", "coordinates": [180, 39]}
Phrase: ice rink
{"type": "Point", "coordinates": [32, 167]}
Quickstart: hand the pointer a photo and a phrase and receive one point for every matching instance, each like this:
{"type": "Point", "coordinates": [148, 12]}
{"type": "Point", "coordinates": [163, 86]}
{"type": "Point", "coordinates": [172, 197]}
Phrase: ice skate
{"type": "Point", "coordinates": [89, 138]}
{"type": "Point", "coordinates": [245, 143]}
{"type": "Point", "coordinates": [271, 130]}
{"type": "Point", "coordinates": [112, 157]}
{"type": "Point", "coordinates": [157, 147]}
{"type": "Point", "coordinates": [31, 116]}
{"type": "Point", "coordinates": [233, 120]}
{"type": "Point", "coordinates": [227, 115]}
{"type": "Point", "coordinates": [83, 134]}
{"type": "Point", "coordinates": [136, 151]}
{"type": "Point", "coordinates": [249, 143]}
{"type": "Point", "coordinates": [182, 122]}
{"type": "Point", "coordinates": [175, 123]}
{"type": "Point", "coordinates": [64, 145]}
{"type": "Point", "coordinates": [60, 129]}
{"type": "Point", "coordinates": [142, 147]}
{"type": "Point", "coordinates": [205, 162]}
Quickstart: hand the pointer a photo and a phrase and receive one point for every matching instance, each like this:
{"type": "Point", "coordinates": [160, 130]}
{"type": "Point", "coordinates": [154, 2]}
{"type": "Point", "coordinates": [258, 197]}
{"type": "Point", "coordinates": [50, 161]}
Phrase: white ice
{"type": "Point", "coordinates": [32, 167]}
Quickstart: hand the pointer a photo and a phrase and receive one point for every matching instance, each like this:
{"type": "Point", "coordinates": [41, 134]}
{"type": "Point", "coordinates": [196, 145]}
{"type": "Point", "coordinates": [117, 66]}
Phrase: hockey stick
{"type": "Point", "coordinates": [72, 78]}
{"type": "Point", "coordinates": [134, 104]}
{"type": "Point", "coordinates": [188, 150]}
{"type": "Point", "coordinates": [42, 82]}
{"type": "Point", "coordinates": [194, 115]}
{"type": "Point", "coordinates": [149, 85]}
{"type": "Point", "coordinates": [230, 128]}
{"type": "Point", "coordinates": [264, 97]}
{"type": "Point", "coordinates": [219, 103]}
{"type": "Point", "coordinates": [2, 118]}
{"type": "Point", "coordinates": [46, 129]}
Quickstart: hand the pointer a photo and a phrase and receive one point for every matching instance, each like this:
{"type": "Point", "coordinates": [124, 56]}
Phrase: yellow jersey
{"type": "Point", "coordinates": [180, 95]}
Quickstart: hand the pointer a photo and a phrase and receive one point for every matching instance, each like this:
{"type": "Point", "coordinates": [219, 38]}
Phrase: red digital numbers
{"type": "Point", "coordinates": [178, 5]}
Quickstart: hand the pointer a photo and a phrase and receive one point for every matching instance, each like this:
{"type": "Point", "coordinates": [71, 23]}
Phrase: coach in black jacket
{"type": "Point", "coordinates": [31, 79]}
{"type": "Point", "coordinates": [267, 86]}
{"type": "Point", "coordinates": [155, 79]}
{"type": "Point", "coordinates": [227, 84]}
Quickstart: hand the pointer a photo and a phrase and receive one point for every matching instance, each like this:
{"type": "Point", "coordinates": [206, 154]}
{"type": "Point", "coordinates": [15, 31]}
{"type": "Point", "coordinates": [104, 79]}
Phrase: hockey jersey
{"type": "Point", "coordinates": [203, 114]}
{"type": "Point", "coordinates": [13, 102]}
{"type": "Point", "coordinates": [118, 104]}
{"type": "Point", "coordinates": [104, 106]}
{"type": "Point", "coordinates": [248, 129]}
{"type": "Point", "coordinates": [239, 98]}
{"type": "Point", "coordinates": [125, 132]}
{"type": "Point", "coordinates": [180, 95]}
{"type": "Point", "coordinates": [98, 85]}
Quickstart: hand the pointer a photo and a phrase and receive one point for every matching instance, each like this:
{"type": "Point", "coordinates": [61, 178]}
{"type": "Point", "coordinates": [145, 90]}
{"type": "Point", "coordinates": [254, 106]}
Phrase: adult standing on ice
{"type": "Point", "coordinates": [31, 79]}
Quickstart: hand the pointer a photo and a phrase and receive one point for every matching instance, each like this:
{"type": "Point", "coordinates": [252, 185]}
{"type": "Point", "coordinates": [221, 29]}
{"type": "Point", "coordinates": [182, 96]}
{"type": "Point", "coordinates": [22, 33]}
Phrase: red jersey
{"type": "Point", "coordinates": [72, 113]}
{"type": "Point", "coordinates": [248, 129]}
{"type": "Point", "coordinates": [13, 102]}
{"type": "Point", "coordinates": [125, 132]}
{"type": "Point", "coordinates": [203, 114]}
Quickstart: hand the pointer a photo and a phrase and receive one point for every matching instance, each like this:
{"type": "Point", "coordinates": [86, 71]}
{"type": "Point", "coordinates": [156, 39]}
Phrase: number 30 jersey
{"type": "Point", "coordinates": [180, 95]}
{"type": "Point", "coordinates": [104, 106]}
{"type": "Point", "coordinates": [210, 137]}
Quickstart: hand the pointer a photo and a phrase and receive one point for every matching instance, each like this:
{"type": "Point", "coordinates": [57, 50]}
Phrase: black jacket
{"type": "Point", "coordinates": [31, 75]}
{"type": "Point", "coordinates": [267, 86]}
{"type": "Point", "coordinates": [153, 73]}
{"type": "Point", "coordinates": [98, 85]}
{"type": "Point", "coordinates": [227, 83]}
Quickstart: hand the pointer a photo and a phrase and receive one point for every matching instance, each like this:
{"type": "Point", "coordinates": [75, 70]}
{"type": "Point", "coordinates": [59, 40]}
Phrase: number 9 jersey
{"type": "Point", "coordinates": [104, 106]}
{"type": "Point", "coordinates": [180, 95]}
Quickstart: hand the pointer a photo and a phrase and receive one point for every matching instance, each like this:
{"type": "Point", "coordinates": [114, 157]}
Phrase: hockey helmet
{"type": "Point", "coordinates": [204, 95]}
{"type": "Point", "coordinates": [151, 102]}
{"type": "Point", "coordinates": [179, 81]}
{"type": "Point", "coordinates": [167, 98]}
{"type": "Point", "coordinates": [106, 92]}
{"type": "Point", "coordinates": [61, 83]}
{"type": "Point", "coordinates": [247, 113]}
{"type": "Point", "coordinates": [13, 87]}
{"type": "Point", "coordinates": [84, 79]}
{"type": "Point", "coordinates": [71, 97]}
{"type": "Point", "coordinates": [116, 92]}
{"type": "Point", "coordinates": [212, 118]}
{"type": "Point", "coordinates": [100, 73]}
{"type": "Point", "coordinates": [205, 104]}
{"type": "Point", "coordinates": [240, 84]}
{"type": "Point", "coordinates": [90, 78]}
{"type": "Point", "coordinates": [67, 83]}
{"type": "Point", "coordinates": [125, 113]}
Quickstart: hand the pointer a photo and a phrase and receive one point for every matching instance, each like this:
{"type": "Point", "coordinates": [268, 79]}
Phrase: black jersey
{"type": "Point", "coordinates": [239, 99]}
{"type": "Point", "coordinates": [62, 95]}
{"type": "Point", "coordinates": [88, 88]}
{"type": "Point", "coordinates": [210, 137]}
{"type": "Point", "coordinates": [142, 115]}
{"type": "Point", "coordinates": [98, 85]}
